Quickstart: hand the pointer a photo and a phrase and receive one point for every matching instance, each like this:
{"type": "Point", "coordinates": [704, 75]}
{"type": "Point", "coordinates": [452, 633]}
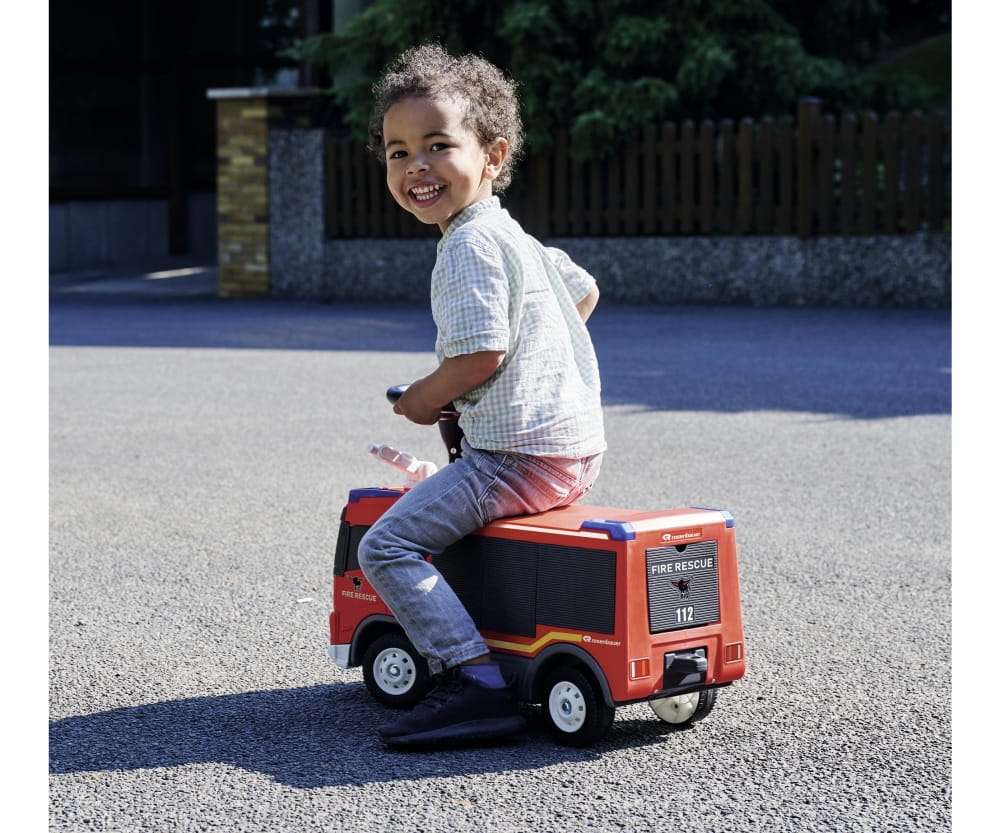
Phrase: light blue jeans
{"type": "Point", "coordinates": [479, 487]}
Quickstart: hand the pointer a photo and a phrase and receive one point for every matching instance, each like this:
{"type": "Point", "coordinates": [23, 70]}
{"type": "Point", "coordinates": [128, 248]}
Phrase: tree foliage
{"type": "Point", "coordinates": [603, 68]}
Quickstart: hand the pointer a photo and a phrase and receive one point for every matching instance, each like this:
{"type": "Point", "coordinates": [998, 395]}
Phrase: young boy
{"type": "Point", "coordinates": [514, 356]}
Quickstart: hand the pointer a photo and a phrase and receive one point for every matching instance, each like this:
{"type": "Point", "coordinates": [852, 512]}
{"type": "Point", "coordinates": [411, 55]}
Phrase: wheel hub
{"type": "Point", "coordinates": [395, 672]}
{"type": "Point", "coordinates": [567, 707]}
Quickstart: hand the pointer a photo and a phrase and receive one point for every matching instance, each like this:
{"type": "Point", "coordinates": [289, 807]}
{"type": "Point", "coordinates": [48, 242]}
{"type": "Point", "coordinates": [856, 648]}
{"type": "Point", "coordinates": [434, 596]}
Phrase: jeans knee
{"type": "Point", "coordinates": [375, 550]}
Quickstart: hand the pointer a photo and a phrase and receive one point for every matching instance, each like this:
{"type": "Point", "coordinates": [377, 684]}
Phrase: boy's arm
{"type": "Point", "coordinates": [586, 306]}
{"type": "Point", "coordinates": [579, 282]}
{"type": "Point", "coordinates": [423, 400]}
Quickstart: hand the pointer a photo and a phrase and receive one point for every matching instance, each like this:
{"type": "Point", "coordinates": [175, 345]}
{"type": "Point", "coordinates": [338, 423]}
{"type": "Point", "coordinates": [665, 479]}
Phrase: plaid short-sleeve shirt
{"type": "Point", "coordinates": [494, 287]}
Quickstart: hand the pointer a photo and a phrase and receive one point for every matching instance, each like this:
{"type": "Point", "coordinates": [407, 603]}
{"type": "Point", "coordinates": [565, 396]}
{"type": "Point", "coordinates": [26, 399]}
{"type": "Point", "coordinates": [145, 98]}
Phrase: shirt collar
{"type": "Point", "coordinates": [470, 213]}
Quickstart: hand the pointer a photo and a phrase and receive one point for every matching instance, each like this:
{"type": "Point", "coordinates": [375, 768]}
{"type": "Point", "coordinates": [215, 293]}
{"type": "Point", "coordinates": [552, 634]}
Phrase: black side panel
{"type": "Point", "coordinates": [509, 586]}
{"type": "Point", "coordinates": [495, 579]}
{"type": "Point", "coordinates": [346, 557]}
{"type": "Point", "coordinates": [509, 582]}
{"type": "Point", "coordinates": [462, 567]}
{"type": "Point", "coordinates": [576, 588]}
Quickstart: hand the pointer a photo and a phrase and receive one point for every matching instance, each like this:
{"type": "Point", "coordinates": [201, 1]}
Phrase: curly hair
{"type": "Point", "coordinates": [490, 98]}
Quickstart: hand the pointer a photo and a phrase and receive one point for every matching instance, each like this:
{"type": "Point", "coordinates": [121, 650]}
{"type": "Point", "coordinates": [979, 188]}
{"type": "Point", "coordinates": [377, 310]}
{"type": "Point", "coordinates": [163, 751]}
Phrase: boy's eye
{"type": "Point", "coordinates": [402, 154]}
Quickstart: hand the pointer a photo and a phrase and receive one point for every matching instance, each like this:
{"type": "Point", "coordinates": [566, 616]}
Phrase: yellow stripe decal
{"type": "Point", "coordinates": [538, 643]}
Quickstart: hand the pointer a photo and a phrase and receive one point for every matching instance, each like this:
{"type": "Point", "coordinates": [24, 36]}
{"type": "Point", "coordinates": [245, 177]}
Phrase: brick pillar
{"type": "Point", "coordinates": [244, 119]}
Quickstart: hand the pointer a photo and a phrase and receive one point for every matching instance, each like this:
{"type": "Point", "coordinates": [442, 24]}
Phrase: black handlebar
{"type": "Point", "coordinates": [448, 412]}
{"type": "Point", "coordinates": [451, 433]}
{"type": "Point", "coordinates": [395, 392]}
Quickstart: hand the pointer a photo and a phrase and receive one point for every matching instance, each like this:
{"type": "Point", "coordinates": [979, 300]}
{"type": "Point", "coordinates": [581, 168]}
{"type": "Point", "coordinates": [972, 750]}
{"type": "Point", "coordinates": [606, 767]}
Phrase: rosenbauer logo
{"type": "Point", "coordinates": [685, 535]}
{"type": "Point", "coordinates": [593, 641]}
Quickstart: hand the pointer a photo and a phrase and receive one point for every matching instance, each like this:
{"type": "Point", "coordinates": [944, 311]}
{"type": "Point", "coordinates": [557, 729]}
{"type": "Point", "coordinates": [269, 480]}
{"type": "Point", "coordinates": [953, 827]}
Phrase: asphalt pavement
{"type": "Point", "coordinates": [201, 451]}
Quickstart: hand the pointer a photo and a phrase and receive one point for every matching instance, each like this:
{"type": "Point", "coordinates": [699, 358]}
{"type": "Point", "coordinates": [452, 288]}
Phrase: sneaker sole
{"type": "Point", "coordinates": [473, 730]}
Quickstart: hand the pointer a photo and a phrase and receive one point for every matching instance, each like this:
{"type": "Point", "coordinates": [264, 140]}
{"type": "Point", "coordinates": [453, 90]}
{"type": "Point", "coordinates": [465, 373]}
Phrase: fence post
{"type": "Point", "coordinates": [727, 176]}
{"type": "Point", "coordinates": [786, 176]}
{"type": "Point", "coordinates": [808, 118]}
{"type": "Point", "coordinates": [848, 171]}
{"type": "Point", "coordinates": [560, 185]}
{"type": "Point", "coordinates": [687, 158]}
{"type": "Point", "coordinates": [244, 121]}
{"type": "Point", "coordinates": [935, 175]}
{"type": "Point", "coordinates": [629, 197]}
{"type": "Point", "coordinates": [890, 156]}
{"type": "Point", "coordinates": [764, 217]}
{"type": "Point", "coordinates": [824, 173]}
{"type": "Point", "coordinates": [869, 172]}
{"type": "Point", "coordinates": [668, 178]}
{"type": "Point", "coordinates": [706, 176]}
{"type": "Point", "coordinates": [541, 205]}
{"type": "Point", "coordinates": [744, 211]}
{"type": "Point", "coordinates": [912, 189]}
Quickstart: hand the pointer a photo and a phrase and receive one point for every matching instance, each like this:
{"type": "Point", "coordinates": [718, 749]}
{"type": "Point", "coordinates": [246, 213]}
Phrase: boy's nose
{"type": "Point", "coordinates": [418, 163]}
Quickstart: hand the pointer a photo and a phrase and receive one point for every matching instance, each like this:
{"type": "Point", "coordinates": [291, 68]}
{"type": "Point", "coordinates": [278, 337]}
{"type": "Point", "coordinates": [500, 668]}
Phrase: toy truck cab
{"type": "Point", "coordinates": [586, 607]}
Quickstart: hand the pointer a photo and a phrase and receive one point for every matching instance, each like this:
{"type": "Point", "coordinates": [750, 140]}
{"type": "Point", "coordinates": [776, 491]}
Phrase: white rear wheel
{"type": "Point", "coordinates": [684, 708]}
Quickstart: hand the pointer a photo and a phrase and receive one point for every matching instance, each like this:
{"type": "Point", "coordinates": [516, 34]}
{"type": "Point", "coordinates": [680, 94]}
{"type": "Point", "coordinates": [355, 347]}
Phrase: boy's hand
{"type": "Point", "coordinates": [423, 400]}
{"type": "Point", "coordinates": [414, 406]}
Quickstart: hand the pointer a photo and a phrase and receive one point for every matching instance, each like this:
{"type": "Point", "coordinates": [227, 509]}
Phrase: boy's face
{"type": "Point", "coordinates": [435, 166]}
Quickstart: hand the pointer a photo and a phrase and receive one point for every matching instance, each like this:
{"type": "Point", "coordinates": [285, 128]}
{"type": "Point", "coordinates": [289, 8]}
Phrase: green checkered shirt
{"type": "Point", "coordinates": [495, 287]}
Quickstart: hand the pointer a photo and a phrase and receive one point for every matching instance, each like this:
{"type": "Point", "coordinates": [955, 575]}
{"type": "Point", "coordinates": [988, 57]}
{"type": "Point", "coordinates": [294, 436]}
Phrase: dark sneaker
{"type": "Point", "coordinates": [457, 711]}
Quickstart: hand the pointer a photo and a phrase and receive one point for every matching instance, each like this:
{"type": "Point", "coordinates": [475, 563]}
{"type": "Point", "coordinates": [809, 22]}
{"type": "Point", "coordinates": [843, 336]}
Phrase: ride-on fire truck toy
{"type": "Point", "coordinates": [586, 607]}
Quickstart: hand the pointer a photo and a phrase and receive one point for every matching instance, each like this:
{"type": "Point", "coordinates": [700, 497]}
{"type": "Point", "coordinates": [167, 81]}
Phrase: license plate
{"type": "Point", "coordinates": [683, 586]}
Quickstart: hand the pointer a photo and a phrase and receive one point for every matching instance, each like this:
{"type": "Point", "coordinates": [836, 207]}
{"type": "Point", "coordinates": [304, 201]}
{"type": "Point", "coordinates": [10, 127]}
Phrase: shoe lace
{"type": "Point", "coordinates": [446, 688]}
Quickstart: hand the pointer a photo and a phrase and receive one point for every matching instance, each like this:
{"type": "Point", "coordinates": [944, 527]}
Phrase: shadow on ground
{"type": "Point", "coordinates": [304, 737]}
{"type": "Point", "coordinates": [865, 364]}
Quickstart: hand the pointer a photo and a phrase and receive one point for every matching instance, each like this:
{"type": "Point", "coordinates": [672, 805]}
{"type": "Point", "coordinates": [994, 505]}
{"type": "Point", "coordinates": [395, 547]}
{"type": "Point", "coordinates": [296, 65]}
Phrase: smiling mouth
{"type": "Point", "coordinates": [424, 193]}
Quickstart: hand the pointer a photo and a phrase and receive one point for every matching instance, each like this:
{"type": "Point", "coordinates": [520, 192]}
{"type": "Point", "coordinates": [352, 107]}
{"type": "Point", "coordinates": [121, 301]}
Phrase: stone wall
{"type": "Point", "coordinates": [849, 271]}
{"type": "Point", "coordinates": [881, 271]}
{"type": "Point", "coordinates": [245, 119]}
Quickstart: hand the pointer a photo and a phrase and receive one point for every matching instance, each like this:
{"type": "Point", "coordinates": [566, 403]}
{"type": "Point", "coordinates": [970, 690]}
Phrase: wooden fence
{"type": "Point", "coordinates": [805, 176]}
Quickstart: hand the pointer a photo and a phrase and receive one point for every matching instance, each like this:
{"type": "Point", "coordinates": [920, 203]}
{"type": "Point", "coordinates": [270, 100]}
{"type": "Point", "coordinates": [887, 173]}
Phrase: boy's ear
{"type": "Point", "coordinates": [496, 154]}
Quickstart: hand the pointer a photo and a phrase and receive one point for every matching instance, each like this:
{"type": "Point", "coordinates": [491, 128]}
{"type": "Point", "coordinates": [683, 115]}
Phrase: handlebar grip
{"type": "Point", "coordinates": [396, 391]}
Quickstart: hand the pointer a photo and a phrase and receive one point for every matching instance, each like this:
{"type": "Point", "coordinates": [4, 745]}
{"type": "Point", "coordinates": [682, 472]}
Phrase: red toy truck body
{"type": "Point", "coordinates": [586, 607]}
